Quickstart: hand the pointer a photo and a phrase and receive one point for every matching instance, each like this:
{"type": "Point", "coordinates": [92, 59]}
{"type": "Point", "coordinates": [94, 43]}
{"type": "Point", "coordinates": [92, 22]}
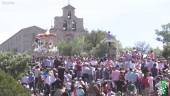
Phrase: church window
{"type": "Point", "coordinates": [69, 14]}
{"type": "Point", "coordinates": [73, 25]}
{"type": "Point", "coordinates": [65, 25]}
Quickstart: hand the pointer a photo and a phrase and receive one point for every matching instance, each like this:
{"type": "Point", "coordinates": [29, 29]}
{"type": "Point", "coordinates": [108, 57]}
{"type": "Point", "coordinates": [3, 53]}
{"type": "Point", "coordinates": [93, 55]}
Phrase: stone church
{"type": "Point", "coordinates": [66, 27]}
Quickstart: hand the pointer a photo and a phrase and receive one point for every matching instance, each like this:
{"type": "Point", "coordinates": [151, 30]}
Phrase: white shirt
{"type": "Point", "coordinates": [93, 62]}
{"type": "Point", "coordinates": [85, 69]}
{"type": "Point", "coordinates": [37, 72]}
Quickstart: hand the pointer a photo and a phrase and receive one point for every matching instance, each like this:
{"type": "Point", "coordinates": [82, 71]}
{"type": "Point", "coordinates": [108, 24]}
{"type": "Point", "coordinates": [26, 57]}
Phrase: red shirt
{"type": "Point", "coordinates": [145, 82]}
{"type": "Point", "coordinates": [78, 67]}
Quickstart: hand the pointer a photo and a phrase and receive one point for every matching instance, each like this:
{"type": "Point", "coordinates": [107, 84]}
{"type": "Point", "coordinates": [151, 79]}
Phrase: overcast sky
{"type": "Point", "coordinates": [129, 20]}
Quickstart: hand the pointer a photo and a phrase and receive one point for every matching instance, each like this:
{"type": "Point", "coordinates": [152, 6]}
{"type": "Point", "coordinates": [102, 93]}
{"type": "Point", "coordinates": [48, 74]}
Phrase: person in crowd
{"type": "Point", "coordinates": [121, 84]}
{"type": "Point", "coordinates": [150, 81]}
{"type": "Point", "coordinates": [91, 90]}
{"type": "Point", "coordinates": [131, 89]}
{"type": "Point", "coordinates": [80, 91]}
{"type": "Point", "coordinates": [61, 71]}
{"type": "Point", "coordinates": [98, 73]}
{"type": "Point", "coordinates": [25, 81]}
{"type": "Point", "coordinates": [57, 62]}
{"type": "Point", "coordinates": [154, 70]}
{"type": "Point", "coordinates": [85, 73]}
{"type": "Point", "coordinates": [145, 83]}
{"type": "Point", "coordinates": [106, 73]}
{"type": "Point", "coordinates": [47, 62]}
{"type": "Point", "coordinates": [78, 69]}
{"type": "Point", "coordinates": [115, 76]}
{"type": "Point", "coordinates": [131, 76]}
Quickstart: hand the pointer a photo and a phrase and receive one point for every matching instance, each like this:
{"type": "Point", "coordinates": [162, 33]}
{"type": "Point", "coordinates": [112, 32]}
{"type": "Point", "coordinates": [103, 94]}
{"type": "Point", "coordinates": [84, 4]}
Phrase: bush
{"type": "Point", "coordinates": [14, 64]}
{"type": "Point", "coordinates": [10, 87]}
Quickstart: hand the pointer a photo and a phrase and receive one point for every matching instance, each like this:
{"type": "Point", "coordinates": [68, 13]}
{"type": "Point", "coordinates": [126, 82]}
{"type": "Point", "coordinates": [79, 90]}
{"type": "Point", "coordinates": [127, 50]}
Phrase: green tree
{"type": "Point", "coordinates": [90, 43]}
{"type": "Point", "coordinates": [78, 45]}
{"type": "Point", "coordinates": [100, 50]}
{"type": "Point", "coordinates": [65, 48]}
{"type": "Point", "coordinates": [158, 51]}
{"type": "Point", "coordinates": [93, 38]}
{"type": "Point", "coordinates": [164, 34]}
{"type": "Point", "coordinates": [164, 37]}
{"type": "Point", "coordinates": [10, 87]}
{"type": "Point", "coordinates": [73, 47]}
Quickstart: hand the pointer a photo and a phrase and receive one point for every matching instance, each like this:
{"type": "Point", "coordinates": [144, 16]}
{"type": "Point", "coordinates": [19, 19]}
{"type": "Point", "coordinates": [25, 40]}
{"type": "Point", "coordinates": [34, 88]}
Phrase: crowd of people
{"type": "Point", "coordinates": [131, 74]}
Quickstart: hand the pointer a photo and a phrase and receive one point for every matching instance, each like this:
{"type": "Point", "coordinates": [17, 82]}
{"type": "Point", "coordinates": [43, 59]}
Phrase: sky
{"type": "Point", "coordinates": [129, 20]}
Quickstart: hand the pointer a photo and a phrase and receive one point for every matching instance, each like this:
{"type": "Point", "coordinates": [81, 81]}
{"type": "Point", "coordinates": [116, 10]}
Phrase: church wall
{"type": "Point", "coordinates": [21, 41]}
{"type": "Point", "coordinates": [80, 27]}
{"type": "Point", "coordinates": [58, 23]}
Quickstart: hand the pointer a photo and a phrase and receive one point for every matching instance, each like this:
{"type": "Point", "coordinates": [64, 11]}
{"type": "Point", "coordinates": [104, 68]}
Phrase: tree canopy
{"type": "Point", "coordinates": [14, 64]}
{"type": "Point", "coordinates": [90, 43]}
{"type": "Point", "coordinates": [164, 37]}
{"type": "Point", "coordinates": [164, 34]}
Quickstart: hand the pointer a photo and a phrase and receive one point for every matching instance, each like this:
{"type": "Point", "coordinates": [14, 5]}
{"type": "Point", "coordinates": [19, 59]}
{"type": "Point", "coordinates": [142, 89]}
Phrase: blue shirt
{"type": "Point", "coordinates": [131, 76]}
